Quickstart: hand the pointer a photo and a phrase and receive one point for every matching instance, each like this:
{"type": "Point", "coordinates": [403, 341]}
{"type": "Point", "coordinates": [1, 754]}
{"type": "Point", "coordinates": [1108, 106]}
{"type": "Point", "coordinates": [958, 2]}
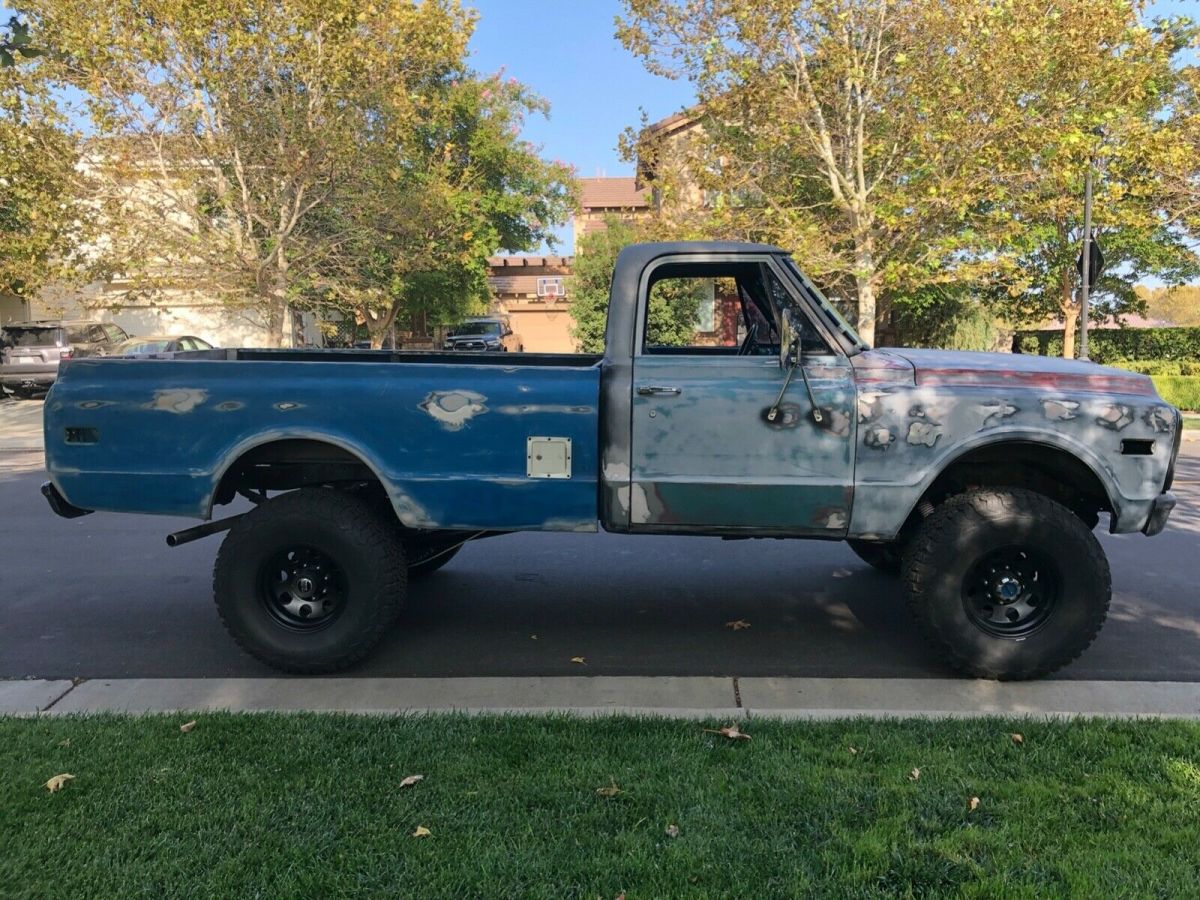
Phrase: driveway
{"type": "Point", "coordinates": [103, 597]}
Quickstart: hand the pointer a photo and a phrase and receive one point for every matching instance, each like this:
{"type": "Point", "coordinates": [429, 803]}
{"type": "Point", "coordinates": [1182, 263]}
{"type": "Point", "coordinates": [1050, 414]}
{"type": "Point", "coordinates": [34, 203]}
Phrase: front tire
{"type": "Point", "coordinates": [1007, 584]}
{"type": "Point", "coordinates": [309, 581]}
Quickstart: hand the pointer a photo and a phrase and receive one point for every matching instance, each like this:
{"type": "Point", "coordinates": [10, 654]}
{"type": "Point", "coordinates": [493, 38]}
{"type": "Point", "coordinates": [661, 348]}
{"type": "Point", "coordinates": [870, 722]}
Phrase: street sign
{"type": "Point", "coordinates": [1095, 263]}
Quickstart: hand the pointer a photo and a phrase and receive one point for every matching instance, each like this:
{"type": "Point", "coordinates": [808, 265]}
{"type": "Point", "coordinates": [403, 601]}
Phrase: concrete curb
{"type": "Point", "coordinates": [711, 698]}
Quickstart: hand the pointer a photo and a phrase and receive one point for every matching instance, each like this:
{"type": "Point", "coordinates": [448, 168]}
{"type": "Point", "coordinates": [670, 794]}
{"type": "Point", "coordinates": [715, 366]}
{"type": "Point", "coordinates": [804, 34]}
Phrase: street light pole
{"type": "Point", "coordinates": [1087, 262]}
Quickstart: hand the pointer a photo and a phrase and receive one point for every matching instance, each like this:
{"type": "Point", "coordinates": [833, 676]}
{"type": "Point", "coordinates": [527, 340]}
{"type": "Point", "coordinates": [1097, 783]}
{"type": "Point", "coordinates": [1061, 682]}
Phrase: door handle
{"type": "Point", "coordinates": [654, 390]}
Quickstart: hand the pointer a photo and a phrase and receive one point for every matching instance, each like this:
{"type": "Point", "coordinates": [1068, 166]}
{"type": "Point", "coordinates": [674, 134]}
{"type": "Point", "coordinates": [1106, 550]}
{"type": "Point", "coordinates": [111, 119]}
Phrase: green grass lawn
{"type": "Point", "coordinates": [310, 806]}
{"type": "Point", "coordinates": [1191, 421]}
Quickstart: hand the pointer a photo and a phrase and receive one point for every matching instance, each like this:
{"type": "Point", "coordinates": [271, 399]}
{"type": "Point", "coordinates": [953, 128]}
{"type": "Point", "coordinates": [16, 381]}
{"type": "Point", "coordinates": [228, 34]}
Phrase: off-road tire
{"type": "Point", "coordinates": [884, 556]}
{"type": "Point", "coordinates": [419, 567]}
{"type": "Point", "coordinates": [365, 547]}
{"type": "Point", "coordinates": [960, 536]}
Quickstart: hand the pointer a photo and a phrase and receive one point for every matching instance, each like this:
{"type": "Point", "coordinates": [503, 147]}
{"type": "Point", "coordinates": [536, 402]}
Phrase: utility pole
{"type": "Point", "coordinates": [1087, 261]}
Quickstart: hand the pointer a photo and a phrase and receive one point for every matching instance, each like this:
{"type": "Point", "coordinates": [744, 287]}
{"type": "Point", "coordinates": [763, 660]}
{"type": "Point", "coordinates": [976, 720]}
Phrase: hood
{"type": "Point", "coordinates": [936, 367]}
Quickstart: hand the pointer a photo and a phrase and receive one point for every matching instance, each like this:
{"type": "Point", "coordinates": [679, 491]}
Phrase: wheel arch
{"type": "Point", "coordinates": [307, 449]}
{"type": "Point", "coordinates": [1048, 464]}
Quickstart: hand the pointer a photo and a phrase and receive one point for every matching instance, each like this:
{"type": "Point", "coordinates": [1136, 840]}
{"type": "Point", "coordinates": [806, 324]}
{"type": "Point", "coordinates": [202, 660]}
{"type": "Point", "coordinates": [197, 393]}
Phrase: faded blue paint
{"type": "Point", "coordinates": [446, 440]}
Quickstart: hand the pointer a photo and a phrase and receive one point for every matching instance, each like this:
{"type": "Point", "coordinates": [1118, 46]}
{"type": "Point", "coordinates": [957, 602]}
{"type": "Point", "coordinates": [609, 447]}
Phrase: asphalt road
{"type": "Point", "coordinates": [104, 597]}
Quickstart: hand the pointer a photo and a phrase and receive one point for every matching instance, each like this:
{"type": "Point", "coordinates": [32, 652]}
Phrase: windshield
{"type": "Point", "coordinates": [833, 317]}
{"type": "Point", "coordinates": [143, 346]}
{"type": "Point", "coordinates": [31, 336]}
{"type": "Point", "coordinates": [475, 328]}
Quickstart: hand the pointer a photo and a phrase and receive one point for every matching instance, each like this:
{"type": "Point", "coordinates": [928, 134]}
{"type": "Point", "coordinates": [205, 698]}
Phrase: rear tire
{"type": "Point", "coordinates": [309, 581]}
{"type": "Point", "coordinates": [884, 556]}
{"type": "Point", "coordinates": [1006, 583]}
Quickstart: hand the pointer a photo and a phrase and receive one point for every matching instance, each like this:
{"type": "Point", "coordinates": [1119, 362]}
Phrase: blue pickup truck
{"type": "Point", "coordinates": [977, 478]}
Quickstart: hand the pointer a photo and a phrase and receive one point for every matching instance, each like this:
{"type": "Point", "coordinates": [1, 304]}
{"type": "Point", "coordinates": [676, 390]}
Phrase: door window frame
{"type": "Point", "coordinates": [800, 302]}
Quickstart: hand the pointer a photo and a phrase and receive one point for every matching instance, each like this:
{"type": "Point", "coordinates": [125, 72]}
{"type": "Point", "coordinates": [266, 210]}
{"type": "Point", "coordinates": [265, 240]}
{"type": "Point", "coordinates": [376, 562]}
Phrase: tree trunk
{"type": "Point", "coordinates": [864, 279]}
{"type": "Point", "coordinates": [1066, 304]}
{"type": "Point", "coordinates": [276, 313]}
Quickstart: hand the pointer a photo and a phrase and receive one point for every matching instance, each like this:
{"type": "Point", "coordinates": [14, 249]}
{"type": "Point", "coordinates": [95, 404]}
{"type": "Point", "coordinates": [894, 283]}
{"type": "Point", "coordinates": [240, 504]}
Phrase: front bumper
{"type": "Point", "coordinates": [1159, 513]}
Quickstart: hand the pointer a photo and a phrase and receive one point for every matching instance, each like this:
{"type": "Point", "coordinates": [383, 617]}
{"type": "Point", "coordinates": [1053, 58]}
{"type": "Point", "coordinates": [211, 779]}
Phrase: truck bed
{"type": "Point", "coordinates": [446, 433]}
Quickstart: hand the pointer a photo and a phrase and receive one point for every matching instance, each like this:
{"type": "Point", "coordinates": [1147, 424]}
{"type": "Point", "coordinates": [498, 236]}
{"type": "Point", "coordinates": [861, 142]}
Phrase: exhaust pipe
{"type": "Point", "coordinates": [201, 531]}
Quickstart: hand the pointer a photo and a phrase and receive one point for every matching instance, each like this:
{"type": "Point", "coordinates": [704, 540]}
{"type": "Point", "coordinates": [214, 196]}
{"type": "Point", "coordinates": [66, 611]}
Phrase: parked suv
{"type": "Point", "coordinates": [31, 351]}
{"type": "Point", "coordinates": [488, 333]}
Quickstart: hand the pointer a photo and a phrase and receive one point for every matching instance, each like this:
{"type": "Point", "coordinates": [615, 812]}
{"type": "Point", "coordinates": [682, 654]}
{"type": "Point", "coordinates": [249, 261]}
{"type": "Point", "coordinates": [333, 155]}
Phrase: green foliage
{"type": "Point", "coordinates": [671, 319]}
{"type": "Point", "coordinates": [1159, 366]}
{"type": "Point", "coordinates": [1110, 345]}
{"type": "Point", "coordinates": [1175, 305]}
{"type": "Point", "coordinates": [1182, 391]}
{"type": "Point", "coordinates": [899, 145]}
{"type": "Point", "coordinates": [15, 44]}
{"type": "Point", "coordinates": [309, 152]}
{"type": "Point", "coordinates": [39, 229]}
{"type": "Point", "coordinates": [948, 316]}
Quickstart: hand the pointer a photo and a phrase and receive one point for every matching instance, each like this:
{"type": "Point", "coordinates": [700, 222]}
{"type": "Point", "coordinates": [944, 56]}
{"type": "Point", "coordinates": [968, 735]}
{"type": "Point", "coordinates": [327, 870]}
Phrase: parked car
{"type": "Point", "coordinates": [484, 333]}
{"type": "Point", "coordinates": [156, 345]}
{"type": "Point", "coordinates": [30, 352]}
{"type": "Point", "coordinates": [980, 476]}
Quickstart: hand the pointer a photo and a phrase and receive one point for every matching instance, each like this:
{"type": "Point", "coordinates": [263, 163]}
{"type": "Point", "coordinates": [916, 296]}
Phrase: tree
{"type": "Point", "coordinates": [280, 152]}
{"type": "Point", "coordinates": [15, 43]}
{"type": "Point", "coordinates": [39, 228]}
{"type": "Point", "coordinates": [893, 144]}
{"type": "Point", "coordinates": [1179, 306]}
{"type": "Point", "coordinates": [674, 304]}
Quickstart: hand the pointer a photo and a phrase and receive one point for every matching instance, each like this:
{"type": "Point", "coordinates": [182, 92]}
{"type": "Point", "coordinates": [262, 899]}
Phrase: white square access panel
{"type": "Point", "coordinates": [548, 457]}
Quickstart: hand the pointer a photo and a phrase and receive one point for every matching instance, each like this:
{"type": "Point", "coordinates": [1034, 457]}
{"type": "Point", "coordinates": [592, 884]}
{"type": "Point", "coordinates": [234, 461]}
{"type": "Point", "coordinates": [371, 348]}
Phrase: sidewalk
{"type": "Point", "coordinates": [720, 698]}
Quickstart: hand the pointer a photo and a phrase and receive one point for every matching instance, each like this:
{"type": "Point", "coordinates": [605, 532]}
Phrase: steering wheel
{"type": "Point", "coordinates": [750, 341]}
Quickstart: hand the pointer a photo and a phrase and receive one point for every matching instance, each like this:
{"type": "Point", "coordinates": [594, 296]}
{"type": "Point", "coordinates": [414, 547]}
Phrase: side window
{"type": "Point", "coordinates": [811, 340]}
{"type": "Point", "coordinates": [701, 312]}
{"type": "Point", "coordinates": [720, 309]}
{"type": "Point", "coordinates": [95, 334]}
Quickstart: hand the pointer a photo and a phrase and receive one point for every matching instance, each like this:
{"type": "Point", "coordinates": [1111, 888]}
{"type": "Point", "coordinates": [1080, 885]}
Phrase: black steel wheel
{"type": "Point", "coordinates": [1006, 583]}
{"type": "Point", "coordinates": [309, 581]}
{"type": "Point", "coordinates": [303, 588]}
{"type": "Point", "coordinates": [1011, 593]}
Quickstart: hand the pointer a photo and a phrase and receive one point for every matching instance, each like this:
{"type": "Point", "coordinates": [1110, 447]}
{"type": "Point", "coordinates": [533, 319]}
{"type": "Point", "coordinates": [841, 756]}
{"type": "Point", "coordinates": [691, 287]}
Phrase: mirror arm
{"type": "Point", "coordinates": [773, 412]}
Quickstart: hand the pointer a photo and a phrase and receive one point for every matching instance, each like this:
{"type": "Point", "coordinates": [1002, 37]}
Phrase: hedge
{"type": "Point", "coordinates": [1182, 391]}
{"type": "Point", "coordinates": [1109, 345]}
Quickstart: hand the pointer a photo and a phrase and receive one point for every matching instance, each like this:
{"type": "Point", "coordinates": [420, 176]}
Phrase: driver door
{"type": "Point", "coordinates": [705, 455]}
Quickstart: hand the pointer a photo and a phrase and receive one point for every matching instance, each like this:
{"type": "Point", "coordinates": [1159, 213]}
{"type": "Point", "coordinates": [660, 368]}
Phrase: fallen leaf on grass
{"type": "Point", "coordinates": [422, 831]}
{"type": "Point", "coordinates": [973, 804]}
{"type": "Point", "coordinates": [533, 637]}
{"type": "Point", "coordinates": [1017, 738]}
{"type": "Point", "coordinates": [731, 732]}
{"type": "Point", "coordinates": [672, 831]}
{"type": "Point", "coordinates": [55, 784]}
{"type": "Point", "coordinates": [187, 726]}
{"type": "Point", "coordinates": [611, 791]}
{"type": "Point", "coordinates": [914, 774]}
{"type": "Point", "coordinates": [853, 751]}
{"type": "Point", "coordinates": [579, 660]}
{"type": "Point", "coordinates": [66, 743]}
{"type": "Point", "coordinates": [410, 780]}
{"type": "Point", "coordinates": [737, 625]}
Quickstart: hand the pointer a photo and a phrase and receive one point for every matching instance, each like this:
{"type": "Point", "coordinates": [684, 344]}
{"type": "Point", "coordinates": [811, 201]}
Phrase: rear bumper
{"type": "Point", "coordinates": [1160, 511]}
{"type": "Point", "coordinates": [59, 503]}
{"type": "Point", "coordinates": [28, 376]}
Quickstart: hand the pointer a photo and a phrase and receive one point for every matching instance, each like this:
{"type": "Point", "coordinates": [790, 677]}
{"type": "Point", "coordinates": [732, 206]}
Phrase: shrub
{"type": "Point", "coordinates": [1158, 366]}
{"type": "Point", "coordinates": [1182, 391]}
{"type": "Point", "coordinates": [1108, 345]}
